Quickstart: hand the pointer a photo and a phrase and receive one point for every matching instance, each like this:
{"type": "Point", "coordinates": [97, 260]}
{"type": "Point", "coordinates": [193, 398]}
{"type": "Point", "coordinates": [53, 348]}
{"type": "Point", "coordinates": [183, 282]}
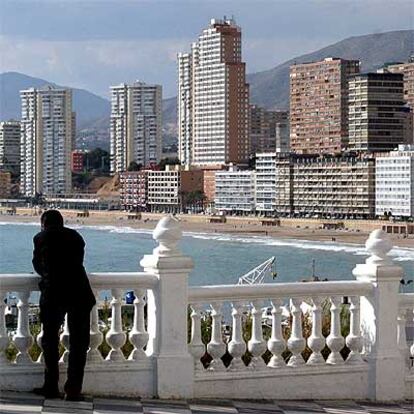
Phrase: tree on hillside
{"type": "Point", "coordinates": [133, 166]}
{"type": "Point", "coordinates": [97, 159]}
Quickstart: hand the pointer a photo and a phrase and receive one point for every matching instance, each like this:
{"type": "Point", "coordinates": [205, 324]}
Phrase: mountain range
{"type": "Point", "coordinates": [268, 88]}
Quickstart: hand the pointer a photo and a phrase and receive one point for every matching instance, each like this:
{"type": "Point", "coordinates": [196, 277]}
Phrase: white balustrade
{"type": "Point", "coordinates": [23, 339]}
{"type": "Point", "coordinates": [216, 347]}
{"type": "Point", "coordinates": [4, 338]}
{"type": "Point", "coordinates": [276, 344]}
{"type": "Point", "coordinates": [316, 341]}
{"type": "Point", "coordinates": [237, 346]}
{"type": "Point", "coordinates": [95, 335]}
{"type": "Point", "coordinates": [296, 341]}
{"type": "Point", "coordinates": [196, 346]}
{"type": "Point", "coordinates": [64, 340]}
{"type": "Point", "coordinates": [39, 337]}
{"type": "Point", "coordinates": [335, 340]}
{"type": "Point", "coordinates": [116, 337]}
{"type": "Point", "coordinates": [138, 335]}
{"type": "Point", "coordinates": [354, 339]}
{"type": "Point", "coordinates": [256, 344]}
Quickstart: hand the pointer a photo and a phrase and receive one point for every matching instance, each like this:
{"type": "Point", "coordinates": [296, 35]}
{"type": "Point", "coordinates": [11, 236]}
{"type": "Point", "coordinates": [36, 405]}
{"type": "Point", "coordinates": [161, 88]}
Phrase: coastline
{"type": "Point", "coordinates": [298, 230]}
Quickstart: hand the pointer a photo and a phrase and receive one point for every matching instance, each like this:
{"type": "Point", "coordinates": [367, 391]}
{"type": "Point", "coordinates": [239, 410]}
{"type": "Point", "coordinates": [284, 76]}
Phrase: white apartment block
{"type": "Point", "coordinates": [213, 98]}
{"type": "Point", "coordinates": [266, 177]}
{"type": "Point", "coordinates": [163, 189]}
{"type": "Point", "coordinates": [10, 146]}
{"type": "Point", "coordinates": [46, 141]}
{"type": "Point", "coordinates": [185, 107]}
{"type": "Point", "coordinates": [235, 191]}
{"type": "Point", "coordinates": [394, 182]}
{"type": "Point", "coordinates": [136, 125]}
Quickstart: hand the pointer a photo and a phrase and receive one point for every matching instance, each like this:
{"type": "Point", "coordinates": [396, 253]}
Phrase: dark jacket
{"type": "Point", "coordinates": [58, 258]}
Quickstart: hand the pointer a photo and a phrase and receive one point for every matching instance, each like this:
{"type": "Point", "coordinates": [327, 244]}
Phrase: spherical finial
{"type": "Point", "coordinates": [378, 245]}
{"type": "Point", "coordinates": [167, 233]}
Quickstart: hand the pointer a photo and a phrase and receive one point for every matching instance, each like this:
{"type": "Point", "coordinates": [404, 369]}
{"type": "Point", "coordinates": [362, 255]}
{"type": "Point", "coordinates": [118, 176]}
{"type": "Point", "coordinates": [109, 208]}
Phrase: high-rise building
{"type": "Point", "coordinates": [407, 69]}
{"type": "Point", "coordinates": [134, 190]}
{"type": "Point", "coordinates": [319, 105]}
{"type": "Point", "coordinates": [10, 147]}
{"type": "Point", "coordinates": [377, 113]}
{"type": "Point", "coordinates": [266, 176]}
{"type": "Point", "coordinates": [46, 141]}
{"type": "Point", "coordinates": [5, 184]}
{"type": "Point", "coordinates": [269, 130]}
{"type": "Point", "coordinates": [213, 99]}
{"type": "Point", "coordinates": [136, 125]}
{"type": "Point", "coordinates": [394, 182]}
{"type": "Point", "coordinates": [185, 107]}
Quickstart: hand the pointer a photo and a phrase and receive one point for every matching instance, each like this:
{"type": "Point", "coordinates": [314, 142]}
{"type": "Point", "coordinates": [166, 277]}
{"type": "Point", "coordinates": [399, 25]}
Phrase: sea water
{"type": "Point", "coordinates": [218, 258]}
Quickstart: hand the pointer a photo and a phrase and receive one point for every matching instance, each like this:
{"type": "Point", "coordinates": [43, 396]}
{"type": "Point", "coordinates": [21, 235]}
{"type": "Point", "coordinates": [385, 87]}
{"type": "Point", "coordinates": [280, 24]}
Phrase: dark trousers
{"type": "Point", "coordinates": [52, 317]}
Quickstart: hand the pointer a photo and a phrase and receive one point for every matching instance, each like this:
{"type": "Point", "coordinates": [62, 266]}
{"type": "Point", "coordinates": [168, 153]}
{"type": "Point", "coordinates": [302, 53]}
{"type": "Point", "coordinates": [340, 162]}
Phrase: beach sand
{"type": "Point", "coordinates": [308, 230]}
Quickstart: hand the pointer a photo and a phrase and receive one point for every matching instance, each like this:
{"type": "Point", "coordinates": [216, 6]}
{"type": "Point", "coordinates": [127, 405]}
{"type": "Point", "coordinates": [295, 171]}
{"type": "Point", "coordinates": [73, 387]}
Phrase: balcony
{"type": "Point", "coordinates": [284, 341]}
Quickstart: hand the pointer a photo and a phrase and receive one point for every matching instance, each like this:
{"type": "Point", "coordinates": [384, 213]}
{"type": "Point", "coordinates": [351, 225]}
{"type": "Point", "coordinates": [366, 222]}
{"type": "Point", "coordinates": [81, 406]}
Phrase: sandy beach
{"type": "Point", "coordinates": [290, 228]}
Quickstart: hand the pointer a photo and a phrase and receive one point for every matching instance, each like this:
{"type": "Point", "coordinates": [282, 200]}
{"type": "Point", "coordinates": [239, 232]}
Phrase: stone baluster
{"type": "Point", "coordinates": [64, 340]}
{"type": "Point", "coordinates": [116, 337]}
{"type": "Point", "coordinates": [335, 340]}
{"type": "Point", "coordinates": [39, 337]}
{"type": "Point", "coordinates": [23, 340]}
{"type": "Point", "coordinates": [354, 339]}
{"type": "Point", "coordinates": [379, 313]}
{"type": "Point", "coordinates": [138, 335]}
{"type": "Point", "coordinates": [401, 335]}
{"type": "Point", "coordinates": [237, 346]}
{"type": "Point", "coordinates": [216, 347]}
{"type": "Point", "coordinates": [95, 336]}
{"type": "Point", "coordinates": [296, 341]}
{"type": "Point", "coordinates": [257, 345]}
{"type": "Point", "coordinates": [4, 338]}
{"type": "Point", "coordinates": [276, 344]}
{"type": "Point", "coordinates": [316, 341]}
{"type": "Point", "coordinates": [196, 345]}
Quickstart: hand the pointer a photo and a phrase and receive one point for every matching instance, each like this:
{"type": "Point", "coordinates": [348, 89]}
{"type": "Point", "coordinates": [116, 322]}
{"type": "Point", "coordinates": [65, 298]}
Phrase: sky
{"type": "Point", "coordinates": [93, 44]}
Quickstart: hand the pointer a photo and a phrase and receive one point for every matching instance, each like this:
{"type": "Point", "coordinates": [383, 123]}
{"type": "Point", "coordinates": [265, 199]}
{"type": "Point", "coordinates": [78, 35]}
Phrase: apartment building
{"type": "Point", "coordinates": [136, 125]}
{"type": "Point", "coordinates": [377, 112]}
{"type": "Point", "coordinates": [134, 190]}
{"type": "Point", "coordinates": [407, 69]}
{"type": "Point", "coordinates": [336, 186]}
{"type": "Point", "coordinates": [269, 130]}
{"type": "Point", "coordinates": [394, 182]}
{"type": "Point", "coordinates": [266, 176]}
{"type": "Point", "coordinates": [168, 190]}
{"type": "Point", "coordinates": [5, 184]}
{"type": "Point", "coordinates": [46, 141]}
{"type": "Point", "coordinates": [78, 160]}
{"type": "Point", "coordinates": [10, 147]}
{"type": "Point", "coordinates": [319, 105]}
{"type": "Point", "coordinates": [213, 98]}
{"type": "Point", "coordinates": [235, 191]}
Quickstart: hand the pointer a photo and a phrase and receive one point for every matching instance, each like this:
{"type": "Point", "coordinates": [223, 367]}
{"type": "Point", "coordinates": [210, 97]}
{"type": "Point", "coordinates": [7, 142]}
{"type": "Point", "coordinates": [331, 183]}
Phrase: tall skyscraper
{"type": "Point", "coordinates": [319, 105]}
{"type": "Point", "coordinates": [46, 141]}
{"type": "Point", "coordinates": [377, 113]}
{"type": "Point", "coordinates": [136, 125]}
{"type": "Point", "coordinates": [10, 146]}
{"type": "Point", "coordinates": [213, 98]}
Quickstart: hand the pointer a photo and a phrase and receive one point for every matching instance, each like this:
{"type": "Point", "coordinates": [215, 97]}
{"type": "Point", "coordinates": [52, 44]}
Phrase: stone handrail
{"type": "Point", "coordinates": [277, 290]}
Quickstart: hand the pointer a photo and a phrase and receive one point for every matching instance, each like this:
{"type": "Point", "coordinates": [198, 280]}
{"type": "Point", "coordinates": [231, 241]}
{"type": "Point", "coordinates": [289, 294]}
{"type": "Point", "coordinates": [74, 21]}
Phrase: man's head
{"type": "Point", "coordinates": [51, 218]}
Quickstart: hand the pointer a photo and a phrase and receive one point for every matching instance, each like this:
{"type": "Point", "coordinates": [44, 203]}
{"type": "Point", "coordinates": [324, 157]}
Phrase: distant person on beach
{"type": "Point", "coordinates": [64, 286]}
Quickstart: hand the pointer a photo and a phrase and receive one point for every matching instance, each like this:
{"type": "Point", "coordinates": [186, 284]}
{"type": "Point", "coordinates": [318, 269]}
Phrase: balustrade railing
{"type": "Point", "coordinates": [342, 339]}
{"type": "Point", "coordinates": [287, 303]}
{"type": "Point", "coordinates": [115, 335]}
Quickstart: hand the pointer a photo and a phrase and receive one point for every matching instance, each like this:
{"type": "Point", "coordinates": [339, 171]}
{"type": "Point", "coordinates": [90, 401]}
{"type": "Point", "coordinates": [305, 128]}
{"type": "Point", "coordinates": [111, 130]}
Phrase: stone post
{"type": "Point", "coordinates": [167, 313]}
{"type": "Point", "coordinates": [379, 314]}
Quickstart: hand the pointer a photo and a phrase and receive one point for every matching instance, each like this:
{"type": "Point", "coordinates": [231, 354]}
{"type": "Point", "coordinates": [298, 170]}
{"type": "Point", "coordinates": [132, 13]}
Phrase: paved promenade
{"type": "Point", "coordinates": [14, 403]}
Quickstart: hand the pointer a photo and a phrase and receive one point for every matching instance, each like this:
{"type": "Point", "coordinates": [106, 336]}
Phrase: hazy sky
{"type": "Point", "coordinates": [93, 44]}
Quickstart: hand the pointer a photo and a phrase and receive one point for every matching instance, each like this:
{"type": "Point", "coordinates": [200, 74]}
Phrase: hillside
{"type": "Point", "coordinates": [271, 88]}
{"type": "Point", "coordinates": [88, 106]}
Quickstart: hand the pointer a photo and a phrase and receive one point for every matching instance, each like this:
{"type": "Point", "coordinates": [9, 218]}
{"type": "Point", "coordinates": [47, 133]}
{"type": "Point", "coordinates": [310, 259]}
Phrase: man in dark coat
{"type": "Point", "coordinates": [64, 286]}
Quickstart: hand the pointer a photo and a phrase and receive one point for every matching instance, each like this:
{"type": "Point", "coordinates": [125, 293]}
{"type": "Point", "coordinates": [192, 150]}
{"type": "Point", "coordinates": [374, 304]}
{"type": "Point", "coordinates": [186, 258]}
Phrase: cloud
{"type": "Point", "coordinates": [95, 64]}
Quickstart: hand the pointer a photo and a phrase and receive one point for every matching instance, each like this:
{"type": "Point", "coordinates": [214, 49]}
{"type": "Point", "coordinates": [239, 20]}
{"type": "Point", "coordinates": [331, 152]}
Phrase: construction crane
{"type": "Point", "coordinates": [257, 275]}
